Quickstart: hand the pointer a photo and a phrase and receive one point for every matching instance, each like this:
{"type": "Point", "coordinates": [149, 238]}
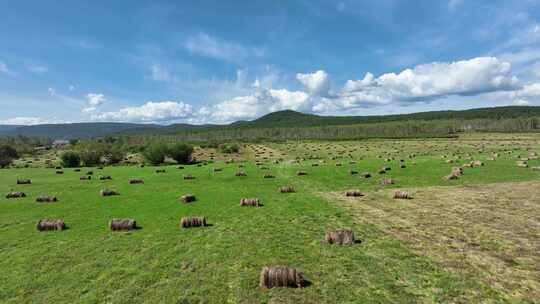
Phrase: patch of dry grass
{"type": "Point", "coordinates": [491, 232]}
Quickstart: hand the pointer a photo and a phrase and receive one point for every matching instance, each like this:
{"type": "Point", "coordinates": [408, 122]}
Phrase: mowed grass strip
{"type": "Point", "coordinates": [490, 232]}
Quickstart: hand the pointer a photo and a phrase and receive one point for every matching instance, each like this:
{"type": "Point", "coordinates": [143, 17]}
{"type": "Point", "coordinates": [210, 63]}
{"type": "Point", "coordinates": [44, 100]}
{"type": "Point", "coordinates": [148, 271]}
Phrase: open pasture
{"type": "Point", "coordinates": [394, 259]}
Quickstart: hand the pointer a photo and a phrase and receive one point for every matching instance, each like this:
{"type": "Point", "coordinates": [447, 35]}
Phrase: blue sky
{"type": "Point", "coordinates": [221, 61]}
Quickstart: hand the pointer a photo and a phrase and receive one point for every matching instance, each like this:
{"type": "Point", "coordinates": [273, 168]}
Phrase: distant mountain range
{"type": "Point", "coordinates": [280, 119]}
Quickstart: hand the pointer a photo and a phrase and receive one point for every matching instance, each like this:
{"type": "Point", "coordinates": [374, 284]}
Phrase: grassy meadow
{"type": "Point", "coordinates": [397, 260]}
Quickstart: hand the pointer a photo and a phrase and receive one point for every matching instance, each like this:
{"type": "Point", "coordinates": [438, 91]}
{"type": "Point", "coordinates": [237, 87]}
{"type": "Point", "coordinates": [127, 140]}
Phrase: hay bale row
{"type": "Point", "coordinates": [281, 276]}
{"type": "Point", "coordinates": [340, 237]}
{"type": "Point", "coordinates": [24, 182]}
{"type": "Point", "coordinates": [399, 194]}
{"type": "Point", "coordinates": [189, 222]}
{"type": "Point", "coordinates": [188, 198]}
{"type": "Point", "coordinates": [160, 171]}
{"type": "Point", "coordinates": [268, 176]}
{"type": "Point", "coordinates": [122, 224]}
{"type": "Point", "coordinates": [108, 192]}
{"type": "Point", "coordinates": [105, 177]}
{"type": "Point", "coordinates": [46, 199]}
{"type": "Point", "coordinates": [353, 193]}
{"type": "Point", "coordinates": [16, 194]}
{"type": "Point", "coordinates": [47, 225]}
{"type": "Point", "coordinates": [286, 189]}
{"type": "Point", "coordinates": [250, 202]}
{"type": "Point", "coordinates": [136, 181]}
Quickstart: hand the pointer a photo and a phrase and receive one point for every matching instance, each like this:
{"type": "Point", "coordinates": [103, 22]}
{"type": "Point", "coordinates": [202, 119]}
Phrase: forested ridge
{"type": "Point", "coordinates": [291, 124]}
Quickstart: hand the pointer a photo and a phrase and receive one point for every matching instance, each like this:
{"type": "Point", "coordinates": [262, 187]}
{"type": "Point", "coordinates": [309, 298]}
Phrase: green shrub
{"type": "Point", "coordinates": [91, 157]}
{"type": "Point", "coordinates": [210, 144]}
{"type": "Point", "coordinates": [115, 155]}
{"type": "Point", "coordinates": [229, 148]}
{"type": "Point", "coordinates": [70, 159]}
{"type": "Point", "coordinates": [155, 154]}
{"type": "Point", "coordinates": [181, 153]}
{"type": "Point", "coordinates": [7, 155]}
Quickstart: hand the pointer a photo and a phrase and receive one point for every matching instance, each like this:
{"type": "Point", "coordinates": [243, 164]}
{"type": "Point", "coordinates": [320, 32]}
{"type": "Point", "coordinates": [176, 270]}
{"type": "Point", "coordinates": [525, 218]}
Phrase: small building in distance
{"type": "Point", "coordinates": [60, 143]}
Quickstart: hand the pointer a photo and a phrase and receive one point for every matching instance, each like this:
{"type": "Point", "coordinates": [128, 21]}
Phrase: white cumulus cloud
{"type": "Point", "coordinates": [261, 102]}
{"type": "Point", "coordinates": [159, 112]}
{"type": "Point", "coordinates": [316, 83]}
{"type": "Point", "coordinates": [93, 101]}
{"type": "Point", "coordinates": [424, 83]}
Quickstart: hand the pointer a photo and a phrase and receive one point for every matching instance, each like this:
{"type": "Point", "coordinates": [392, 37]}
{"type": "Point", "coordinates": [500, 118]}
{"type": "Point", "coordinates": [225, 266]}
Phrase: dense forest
{"type": "Point", "coordinates": [394, 129]}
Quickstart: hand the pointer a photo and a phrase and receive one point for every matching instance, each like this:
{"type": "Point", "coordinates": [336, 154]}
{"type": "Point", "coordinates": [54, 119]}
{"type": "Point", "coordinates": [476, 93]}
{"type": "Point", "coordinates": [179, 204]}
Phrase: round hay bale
{"type": "Point", "coordinates": [250, 202]}
{"type": "Point", "coordinates": [457, 171]}
{"type": "Point", "coordinates": [240, 173]}
{"type": "Point", "coordinates": [353, 172]}
{"type": "Point", "coordinates": [399, 194]}
{"type": "Point", "coordinates": [386, 181]}
{"type": "Point", "coordinates": [77, 170]}
{"type": "Point", "coordinates": [281, 276]}
{"type": "Point", "coordinates": [477, 163]}
{"type": "Point", "coordinates": [105, 177]}
{"type": "Point", "coordinates": [365, 175]}
{"type": "Point", "coordinates": [451, 176]}
{"type": "Point", "coordinates": [108, 192]}
{"type": "Point", "coordinates": [24, 182]}
{"type": "Point", "coordinates": [188, 198]}
{"type": "Point", "coordinates": [188, 176]}
{"type": "Point", "coordinates": [136, 181]}
{"type": "Point", "coordinates": [122, 224]}
{"type": "Point", "coordinates": [47, 225]}
{"type": "Point", "coordinates": [15, 195]}
{"type": "Point", "coordinates": [59, 172]}
{"type": "Point", "coordinates": [217, 169]}
{"type": "Point", "coordinates": [353, 193]}
{"type": "Point", "coordinates": [90, 173]}
{"type": "Point", "coordinates": [340, 237]}
{"type": "Point", "coordinates": [46, 199]}
{"type": "Point", "coordinates": [86, 177]}
{"type": "Point", "coordinates": [300, 173]}
{"type": "Point", "coordinates": [190, 222]}
{"type": "Point", "coordinates": [286, 189]}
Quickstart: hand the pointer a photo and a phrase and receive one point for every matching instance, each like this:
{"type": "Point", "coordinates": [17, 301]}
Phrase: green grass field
{"type": "Point", "coordinates": [161, 263]}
